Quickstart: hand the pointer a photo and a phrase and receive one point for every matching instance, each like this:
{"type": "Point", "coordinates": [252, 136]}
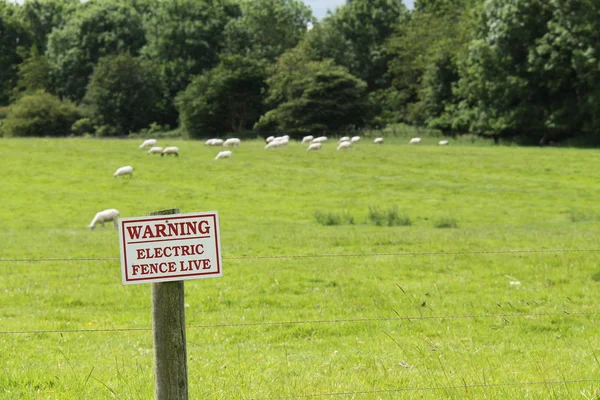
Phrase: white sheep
{"type": "Point", "coordinates": [170, 150]}
{"type": "Point", "coordinates": [344, 145]}
{"type": "Point", "coordinates": [269, 139]}
{"type": "Point", "coordinates": [355, 139]}
{"type": "Point", "coordinates": [314, 147]}
{"type": "Point", "coordinates": [378, 140]}
{"type": "Point", "coordinates": [223, 154]}
{"type": "Point", "coordinates": [320, 139]}
{"type": "Point", "coordinates": [415, 140]}
{"type": "Point", "coordinates": [232, 142]}
{"type": "Point", "coordinates": [155, 150]}
{"type": "Point", "coordinates": [443, 143]}
{"type": "Point", "coordinates": [276, 143]}
{"type": "Point", "coordinates": [148, 143]}
{"type": "Point", "coordinates": [307, 139]}
{"type": "Point", "coordinates": [214, 142]}
{"type": "Point", "coordinates": [127, 170]}
{"type": "Point", "coordinates": [344, 139]}
{"type": "Point", "coordinates": [105, 216]}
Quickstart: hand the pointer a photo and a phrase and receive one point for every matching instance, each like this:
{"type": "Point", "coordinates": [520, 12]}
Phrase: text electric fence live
{"type": "Point", "coordinates": [170, 247]}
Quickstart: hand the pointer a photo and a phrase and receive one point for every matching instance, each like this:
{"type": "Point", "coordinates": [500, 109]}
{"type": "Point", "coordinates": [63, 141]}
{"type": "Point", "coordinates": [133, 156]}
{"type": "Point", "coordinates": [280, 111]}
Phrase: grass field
{"type": "Point", "coordinates": [382, 326]}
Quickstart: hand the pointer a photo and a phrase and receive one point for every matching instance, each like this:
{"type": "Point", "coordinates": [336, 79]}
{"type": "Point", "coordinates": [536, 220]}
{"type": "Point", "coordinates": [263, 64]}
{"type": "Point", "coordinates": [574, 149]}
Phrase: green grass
{"type": "Point", "coordinates": [385, 330]}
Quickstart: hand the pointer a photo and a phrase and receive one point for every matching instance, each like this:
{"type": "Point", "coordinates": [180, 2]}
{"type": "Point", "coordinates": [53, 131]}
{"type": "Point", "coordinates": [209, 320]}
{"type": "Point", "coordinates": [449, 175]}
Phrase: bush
{"type": "Point", "coordinates": [389, 217]}
{"type": "Point", "coordinates": [40, 114]}
{"type": "Point", "coordinates": [83, 126]}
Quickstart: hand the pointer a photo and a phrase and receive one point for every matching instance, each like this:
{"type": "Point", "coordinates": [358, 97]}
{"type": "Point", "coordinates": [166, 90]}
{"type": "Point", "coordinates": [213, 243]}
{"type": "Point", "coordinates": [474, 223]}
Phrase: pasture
{"type": "Point", "coordinates": [375, 312]}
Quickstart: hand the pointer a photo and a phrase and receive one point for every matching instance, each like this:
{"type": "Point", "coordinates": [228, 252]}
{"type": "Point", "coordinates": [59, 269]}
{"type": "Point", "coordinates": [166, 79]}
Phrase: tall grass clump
{"type": "Point", "coordinates": [445, 222]}
{"type": "Point", "coordinates": [580, 216]}
{"type": "Point", "coordinates": [388, 217]}
{"type": "Point", "coordinates": [330, 218]}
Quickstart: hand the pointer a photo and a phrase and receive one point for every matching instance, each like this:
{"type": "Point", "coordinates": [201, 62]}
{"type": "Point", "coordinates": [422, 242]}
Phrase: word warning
{"type": "Point", "coordinates": [170, 247]}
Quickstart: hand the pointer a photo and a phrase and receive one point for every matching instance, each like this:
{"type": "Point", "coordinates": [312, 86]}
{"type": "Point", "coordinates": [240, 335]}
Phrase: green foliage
{"type": "Point", "coordinates": [97, 29]}
{"type": "Point", "coordinates": [40, 17]}
{"type": "Point", "coordinates": [34, 74]}
{"type": "Point", "coordinates": [40, 114]}
{"type": "Point", "coordinates": [83, 126]}
{"type": "Point", "coordinates": [531, 70]}
{"type": "Point", "coordinates": [367, 24]}
{"type": "Point", "coordinates": [185, 38]}
{"type": "Point", "coordinates": [313, 97]}
{"type": "Point", "coordinates": [388, 217]}
{"type": "Point", "coordinates": [125, 93]}
{"type": "Point", "coordinates": [267, 28]}
{"type": "Point", "coordinates": [330, 218]}
{"type": "Point", "coordinates": [227, 98]}
{"type": "Point", "coordinates": [424, 53]}
{"type": "Point", "coordinates": [13, 35]}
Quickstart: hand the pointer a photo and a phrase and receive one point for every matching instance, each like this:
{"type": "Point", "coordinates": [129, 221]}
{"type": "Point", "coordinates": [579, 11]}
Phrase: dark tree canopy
{"type": "Point", "coordinates": [124, 93]}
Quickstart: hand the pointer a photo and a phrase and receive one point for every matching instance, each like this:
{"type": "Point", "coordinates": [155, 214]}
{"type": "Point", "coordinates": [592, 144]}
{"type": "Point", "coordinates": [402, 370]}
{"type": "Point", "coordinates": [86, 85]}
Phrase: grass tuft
{"type": "Point", "coordinates": [388, 217]}
{"type": "Point", "coordinates": [330, 218]}
{"type": "Point", "coordinates": [581, 216]}
{"type": "Point", "coordinates": [445, 222]}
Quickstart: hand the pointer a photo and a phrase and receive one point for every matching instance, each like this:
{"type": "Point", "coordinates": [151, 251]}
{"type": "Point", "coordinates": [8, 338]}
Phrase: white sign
{"type": "Point", "coordinates": [173, 247]}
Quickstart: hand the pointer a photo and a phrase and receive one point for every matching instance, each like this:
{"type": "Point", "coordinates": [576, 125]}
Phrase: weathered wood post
{"type": "Point", "coordinates": [168, 328]}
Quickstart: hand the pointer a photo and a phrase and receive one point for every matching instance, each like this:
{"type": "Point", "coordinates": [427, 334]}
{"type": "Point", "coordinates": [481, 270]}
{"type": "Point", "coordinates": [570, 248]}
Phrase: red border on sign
{"type": "Point", "coordinates": [162, 218]}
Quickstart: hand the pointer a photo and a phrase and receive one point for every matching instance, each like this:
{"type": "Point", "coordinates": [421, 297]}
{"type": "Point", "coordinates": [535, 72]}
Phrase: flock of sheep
{"type": "Point", "coordinates": [272, 142]}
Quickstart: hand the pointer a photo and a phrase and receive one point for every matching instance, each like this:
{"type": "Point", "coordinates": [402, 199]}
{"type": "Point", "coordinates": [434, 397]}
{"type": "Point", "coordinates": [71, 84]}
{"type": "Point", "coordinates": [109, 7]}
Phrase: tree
{"type": "Point", "coordinates": [13, 36]}
{"type": "Point", "coordinates": [532, 71]}
{"type": "Point", "coordinates": [185, 38]}
{"type": "Point", "coordinates": [424, 52]}
{"type": "Point", "coordinates": [367, 24]}
{"type": "Point", "coordinates": [313, 97]}
{"type": "Point", "coordinates": [98, 28]}
{"type": "Point", "coordinates": [34, 74]}
{"type": "Point", "coordinates": [267, 28]}
{"type": "Point", "coordinates": [227, 98]}
{"type": "Point", "coordinates": [124, 94]}
{"type": "Point", "coordinates": [40, 17]}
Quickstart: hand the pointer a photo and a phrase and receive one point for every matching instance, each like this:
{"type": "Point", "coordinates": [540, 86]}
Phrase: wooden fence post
{"type": "Point", "coordinates": [168, 329]}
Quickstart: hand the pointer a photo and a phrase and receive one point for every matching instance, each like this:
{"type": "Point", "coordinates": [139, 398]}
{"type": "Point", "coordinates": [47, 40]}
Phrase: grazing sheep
{"type": "Point", "coordinates": [232, 142]}
{"type": "Point", "coordinates": [415, 140]}
{"type": "Point", "coordinates": [378, 140]}
{"type": "Point", "coordinates": [224, 154]}
{"type": "Point", "coordinates": [320, 139]}
{"type": "Point", "coordinates": [155, 150]}
{"type": "Point", "coordinates": [127, 170]}
{"type": "Point", "coordinates": [355, 139]}
{"type": "Point", "coordinates": [214, 142]}
{"type": "Point", "coordinates": [148, 143]}
{"type": "Point", "coordinates": [105, 216]}
{"type": "Point", "coordinates": [443, 142]}
{"type": "Point", "coordinates": [269, 139]}
{"type": "Point", "coordinates": [170, 150]}
{"type": "Point", "coordinates": [344, 139]}
{"type": "Point", "coordinates": [276, 143]}
{"type": "Point", "coordinates": [344, 145]}
{"type": "Point", "coordinates": [314, 147]}
{"type": "Point", "coordinates": [307, 139]}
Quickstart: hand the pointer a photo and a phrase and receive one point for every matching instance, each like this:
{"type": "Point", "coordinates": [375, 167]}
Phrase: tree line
{"type": "Point", "coordinates": [516, 69]}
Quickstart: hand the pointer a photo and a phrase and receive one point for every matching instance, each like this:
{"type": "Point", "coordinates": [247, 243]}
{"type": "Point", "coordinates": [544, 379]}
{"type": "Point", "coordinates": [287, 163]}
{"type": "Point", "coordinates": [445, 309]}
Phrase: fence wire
{"type": "Point", "coordinates": [317, 321]}
{"type": "Point", "coordinates": [400, 254]}
{"type": "Point", "coordinates": [424, 389]}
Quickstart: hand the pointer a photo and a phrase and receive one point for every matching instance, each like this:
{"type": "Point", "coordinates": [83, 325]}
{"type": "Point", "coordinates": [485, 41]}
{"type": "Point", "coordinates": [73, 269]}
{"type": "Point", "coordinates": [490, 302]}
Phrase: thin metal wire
{"type": "Point", "coordinates": [422, 389]}
{"type": "Point", "coordinates": [321, 321]}
{"type": "Point", "coordinates": [408, 253]}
